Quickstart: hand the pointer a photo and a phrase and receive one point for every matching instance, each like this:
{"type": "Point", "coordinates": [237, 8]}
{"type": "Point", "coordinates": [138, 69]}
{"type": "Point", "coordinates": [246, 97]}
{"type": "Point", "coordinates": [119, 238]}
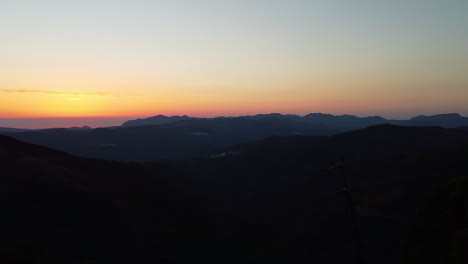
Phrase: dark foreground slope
{"type": "Point", "coordinates": [392, 171]}
{"type": "Point", "coordinates": [57, 208]}
{"type": "Point", "coordinates": [440, 232]}
{"type": "Point", "coordinates": [270, 201]}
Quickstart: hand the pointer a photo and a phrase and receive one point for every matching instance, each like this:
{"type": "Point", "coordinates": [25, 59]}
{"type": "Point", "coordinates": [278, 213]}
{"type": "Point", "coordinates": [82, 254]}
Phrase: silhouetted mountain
{"type": "Point", "coordinates": [274, 201]}
{"type": "Point", "coordinates": [79, 128]}
{"type": "Point", "coordinates": [444, 120]}
{"type": "Point", "coordinates": [346, 122]}
{"type": "Point", "coordinates": [161, 119]}
{"type": "Point", "coordinates": [156, 120]}
{"type": "Point", "coordinates": [274, 115]}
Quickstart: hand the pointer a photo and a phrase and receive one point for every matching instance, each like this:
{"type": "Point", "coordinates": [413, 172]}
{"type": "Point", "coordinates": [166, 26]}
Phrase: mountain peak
{"type": "Point", "coordinates": [439, 116]}
{"type": "Point", "coordinates": [442, 120]}
{"type": "Point", "coordinates": [155, 120]}
{"type": "Point", "coordinates": [319, 115]}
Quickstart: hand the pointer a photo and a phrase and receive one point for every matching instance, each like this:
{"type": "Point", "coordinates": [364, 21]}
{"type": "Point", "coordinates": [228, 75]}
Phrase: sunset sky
{"type": "Point", "coordinates": [137, 58]}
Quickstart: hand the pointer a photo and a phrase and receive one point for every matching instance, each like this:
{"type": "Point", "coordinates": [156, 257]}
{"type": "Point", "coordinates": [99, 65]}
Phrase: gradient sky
{"type": "Point", "coordinates": [116, 58]}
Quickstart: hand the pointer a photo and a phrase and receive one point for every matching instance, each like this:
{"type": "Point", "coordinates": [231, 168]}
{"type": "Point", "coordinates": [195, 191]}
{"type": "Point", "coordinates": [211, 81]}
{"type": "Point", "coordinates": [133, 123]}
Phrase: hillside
{"type": "Point", "coordinates": [182, 139]}
{"type": "Point", "coordinates": [273, 201]}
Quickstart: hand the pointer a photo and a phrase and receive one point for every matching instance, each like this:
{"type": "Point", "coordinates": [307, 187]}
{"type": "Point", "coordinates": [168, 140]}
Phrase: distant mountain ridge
{"type": "Point", "coordinates": [156, 120]}
{"type": "Point", "coordinates": [162, 137]}
{"type": "Point", "coordinates": [451, 120]}
{"type": "Point", "coordinates": [442, 120]}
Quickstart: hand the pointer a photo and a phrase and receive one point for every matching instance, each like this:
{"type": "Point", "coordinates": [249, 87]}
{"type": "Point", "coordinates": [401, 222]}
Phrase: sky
{"type": "Point", "coordinates": [125, 59]}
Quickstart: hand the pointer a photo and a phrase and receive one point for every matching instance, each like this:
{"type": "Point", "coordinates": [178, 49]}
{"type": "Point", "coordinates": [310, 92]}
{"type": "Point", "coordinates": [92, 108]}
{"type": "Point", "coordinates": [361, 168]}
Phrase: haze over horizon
{"type": "Point", "coordinates": [129, 59]}
{"type": "Point", "coordinates": [96, 122]}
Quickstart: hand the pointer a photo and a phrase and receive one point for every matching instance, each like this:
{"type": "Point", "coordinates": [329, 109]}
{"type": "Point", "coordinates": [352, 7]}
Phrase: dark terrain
{"type": "Point", "coordinates": [177, 137]}
{"type": "Point", "coordinates": [273, 200]}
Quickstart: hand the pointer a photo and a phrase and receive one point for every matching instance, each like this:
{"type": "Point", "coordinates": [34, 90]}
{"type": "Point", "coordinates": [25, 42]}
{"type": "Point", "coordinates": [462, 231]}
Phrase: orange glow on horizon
{"type": "Point", "coordinates": [93, 97]}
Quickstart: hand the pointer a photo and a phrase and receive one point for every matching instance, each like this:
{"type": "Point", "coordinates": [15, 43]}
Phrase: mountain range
{"type": "Point", "coordinates": [338, 121]}
{"type": "Point", "coordinates": [176, 137]}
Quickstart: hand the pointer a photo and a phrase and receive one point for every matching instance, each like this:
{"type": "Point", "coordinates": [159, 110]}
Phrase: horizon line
{"type": "Point", "coordinates": [214, 116]}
